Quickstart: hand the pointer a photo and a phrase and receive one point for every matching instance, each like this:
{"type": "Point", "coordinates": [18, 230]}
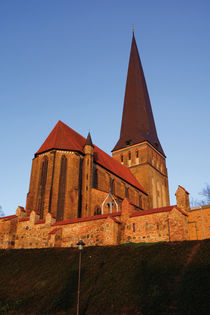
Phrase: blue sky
{"type": "Point", "coordinates": [67, 60]}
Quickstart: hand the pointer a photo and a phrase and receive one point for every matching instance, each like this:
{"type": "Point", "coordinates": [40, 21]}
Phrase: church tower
{"type": "Point", "coordinates": [138, 146]}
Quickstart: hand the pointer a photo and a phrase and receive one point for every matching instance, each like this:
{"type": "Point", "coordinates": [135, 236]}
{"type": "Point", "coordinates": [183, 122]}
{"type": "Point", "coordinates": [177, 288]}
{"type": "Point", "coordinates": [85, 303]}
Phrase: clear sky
{"type": "Point", "coordinates": [67, 60]}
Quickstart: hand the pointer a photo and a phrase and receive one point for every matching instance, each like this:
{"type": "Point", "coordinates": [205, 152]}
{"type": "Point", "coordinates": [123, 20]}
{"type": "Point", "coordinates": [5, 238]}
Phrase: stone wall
{"type": "Point", "coordinates": [199, 223]}
{"type": "Point", "coordinates": [129, 225]}
{"type": "Point", "coordinates": [153, 226]}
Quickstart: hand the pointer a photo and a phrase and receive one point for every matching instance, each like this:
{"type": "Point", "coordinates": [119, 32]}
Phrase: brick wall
{"type": "Point", "coordinates": [199, 223]}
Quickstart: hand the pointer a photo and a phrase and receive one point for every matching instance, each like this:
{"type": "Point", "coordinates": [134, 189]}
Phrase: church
{"type": "Point", "coordinates": [77, 191]}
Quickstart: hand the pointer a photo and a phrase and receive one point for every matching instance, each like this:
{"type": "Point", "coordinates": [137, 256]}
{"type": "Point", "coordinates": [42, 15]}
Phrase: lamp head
{"type": "Point", "coordinates": [80, 244]}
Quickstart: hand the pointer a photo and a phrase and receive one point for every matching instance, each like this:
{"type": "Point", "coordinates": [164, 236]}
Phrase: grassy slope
{"type": "Point", "coordinates": [159, 278]}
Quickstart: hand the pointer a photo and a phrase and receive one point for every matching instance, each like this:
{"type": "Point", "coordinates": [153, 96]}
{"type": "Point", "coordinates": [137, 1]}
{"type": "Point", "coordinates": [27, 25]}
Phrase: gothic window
{"type": "Point", "coordinates": [129, 158]}
{"type": "Point", "coordinates": [126, 192]}
{"type": "Point", "coordinates": [112, 186]}
{"type": "Point", "coordinates": [134, 227]}
{"type": "Point", "coordinates": [62, 188]}
{"type": "Point", "coordinates": [95, 177]}
{"type": "Point", "coordinates": [97, 210]}
{"type": "Point", "coordinates": [137, 156]}
{"type": "Point", "coordinates": [121, 158]}
{"type": "Point", "coordinates": [140, 201]}
{"type": "Point", "coordinates": [42, 185]}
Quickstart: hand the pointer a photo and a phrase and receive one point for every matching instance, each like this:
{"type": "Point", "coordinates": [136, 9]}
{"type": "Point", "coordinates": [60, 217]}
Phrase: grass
{"type": "Point", "coordinates": [160, 278]}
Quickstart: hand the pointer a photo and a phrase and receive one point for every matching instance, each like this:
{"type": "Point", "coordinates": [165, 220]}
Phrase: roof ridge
{"type": "Point", "coordinates": [63, 137]}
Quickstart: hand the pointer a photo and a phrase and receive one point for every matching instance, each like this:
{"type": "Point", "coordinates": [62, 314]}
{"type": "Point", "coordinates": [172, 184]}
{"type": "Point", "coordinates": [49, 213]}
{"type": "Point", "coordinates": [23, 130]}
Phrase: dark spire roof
{"type": "Point", "coordinates": [89, 140]}
{"type": "Point", "coordinates": [137, 121]}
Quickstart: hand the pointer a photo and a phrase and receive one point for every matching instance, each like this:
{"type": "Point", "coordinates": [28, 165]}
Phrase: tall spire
{"type": "Point", "coordinates": [137, 121]}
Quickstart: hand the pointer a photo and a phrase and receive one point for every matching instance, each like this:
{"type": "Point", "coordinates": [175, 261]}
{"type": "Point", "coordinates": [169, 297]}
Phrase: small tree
{"type": "Point", "coordinates": [206, 194]}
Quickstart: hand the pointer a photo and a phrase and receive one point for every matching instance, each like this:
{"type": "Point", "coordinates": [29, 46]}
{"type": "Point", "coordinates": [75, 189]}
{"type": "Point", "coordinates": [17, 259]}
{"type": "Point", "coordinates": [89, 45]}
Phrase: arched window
{"type": "Point", "coordinates": [61, 189]}
{"type": "Point", "coordinates": [140, 201]}
{"type": "Point", "coordinates": [121, 158]}
{"type": "Point", "coordinates": [129, 158]}
{"type": "Point", "coordinates": [126, 192]}
{"type": "Point", "coordinates": [42, 185]}
{"type": "Point", "coordinates": [95, 177]}
{"type": "Point", "coordinates": [97, 210]}
{"type": "Point", "coordinates": [111, 185]}
{"type": "Point", "coordinates": [137, 156]}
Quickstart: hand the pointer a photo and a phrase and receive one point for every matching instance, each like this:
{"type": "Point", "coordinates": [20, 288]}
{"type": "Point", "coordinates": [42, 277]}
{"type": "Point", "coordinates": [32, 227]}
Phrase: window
{"type": "Point", "coordinates": [95, 177]}
{"type": "Point", "coordinates": [134, 227]}
{"type": "Point", "coordinates": [62, 188]}
{"type": "Point", "coordinates": [140, 201]}
{"type": "Point", "coordinates": [129, 155]}
{"type": "Point", "coordinates": [121, 158]}
{"type": "Point", "coordinates": [42, 185]}
{"type": "Point", "coordinates": [137, 154]}
{"type": "Point", "coordinates": [126, 192]}
{"type": "Point", "coordinates": [112, 186]}
{"type": "Point", "coordinates": [97, 210]}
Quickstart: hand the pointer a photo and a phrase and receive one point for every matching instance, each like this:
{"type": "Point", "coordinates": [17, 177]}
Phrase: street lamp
{"type": "Point", "coordinates": [80, 244]}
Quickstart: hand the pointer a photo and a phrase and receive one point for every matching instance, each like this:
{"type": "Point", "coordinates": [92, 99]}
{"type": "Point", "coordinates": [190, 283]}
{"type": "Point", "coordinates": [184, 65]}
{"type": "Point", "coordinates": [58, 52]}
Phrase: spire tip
{"type": "Point", "coordinates": [133, 28]}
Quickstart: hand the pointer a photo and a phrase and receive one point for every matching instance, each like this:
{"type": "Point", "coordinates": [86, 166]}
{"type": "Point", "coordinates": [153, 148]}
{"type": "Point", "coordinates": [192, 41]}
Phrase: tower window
{"type": "Point", "coordinates": [137, 154]}
{"type": "Point", "coordinates": [129, 155]}
{"type": "Point", "coordinates": [134, 227]}
{"type": "Point", "coordinates": [121, 158]}
{"type": "Point", "coordinates": [128, 142]}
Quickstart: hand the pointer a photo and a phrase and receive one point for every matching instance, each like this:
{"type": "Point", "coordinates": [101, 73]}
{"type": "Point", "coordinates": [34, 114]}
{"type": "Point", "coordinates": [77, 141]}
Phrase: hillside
{"type": "Point", "coordinates": [160, 278]}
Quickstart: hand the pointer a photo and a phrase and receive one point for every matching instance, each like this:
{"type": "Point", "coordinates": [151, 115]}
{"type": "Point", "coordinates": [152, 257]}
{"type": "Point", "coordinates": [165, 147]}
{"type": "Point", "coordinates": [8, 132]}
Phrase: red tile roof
{"type": "Point", "coordinates": [22, 208]}
{"type": "Point", "coordinates": [157, 210]}
{"type": "Point", "coordinates": [63, 137]}
{"type": "Point", "coordinates": [9, 217]}
{"type": "Point", "coordinates": [115, 220]}
{"type": "Point", "coordinates": [96, 217]}
{"type": "Point", "coordinates": [40, 221]}
{"type": "Point", "coordinates": [184, 189]}
{"type": "Point", "coordinates": [54, 230]}
{"type": "Point", "coordinates": [24, 219]}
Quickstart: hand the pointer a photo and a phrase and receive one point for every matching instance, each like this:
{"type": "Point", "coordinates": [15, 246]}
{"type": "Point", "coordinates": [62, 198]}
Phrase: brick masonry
{"type": "Point", "coordinates": [128, 225]}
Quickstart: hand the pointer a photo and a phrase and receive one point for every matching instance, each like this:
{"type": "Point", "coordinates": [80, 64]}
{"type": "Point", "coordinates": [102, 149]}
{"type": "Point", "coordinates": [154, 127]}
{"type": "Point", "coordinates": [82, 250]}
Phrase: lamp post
{"type": "Point", "coordinates": [80, 244]}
